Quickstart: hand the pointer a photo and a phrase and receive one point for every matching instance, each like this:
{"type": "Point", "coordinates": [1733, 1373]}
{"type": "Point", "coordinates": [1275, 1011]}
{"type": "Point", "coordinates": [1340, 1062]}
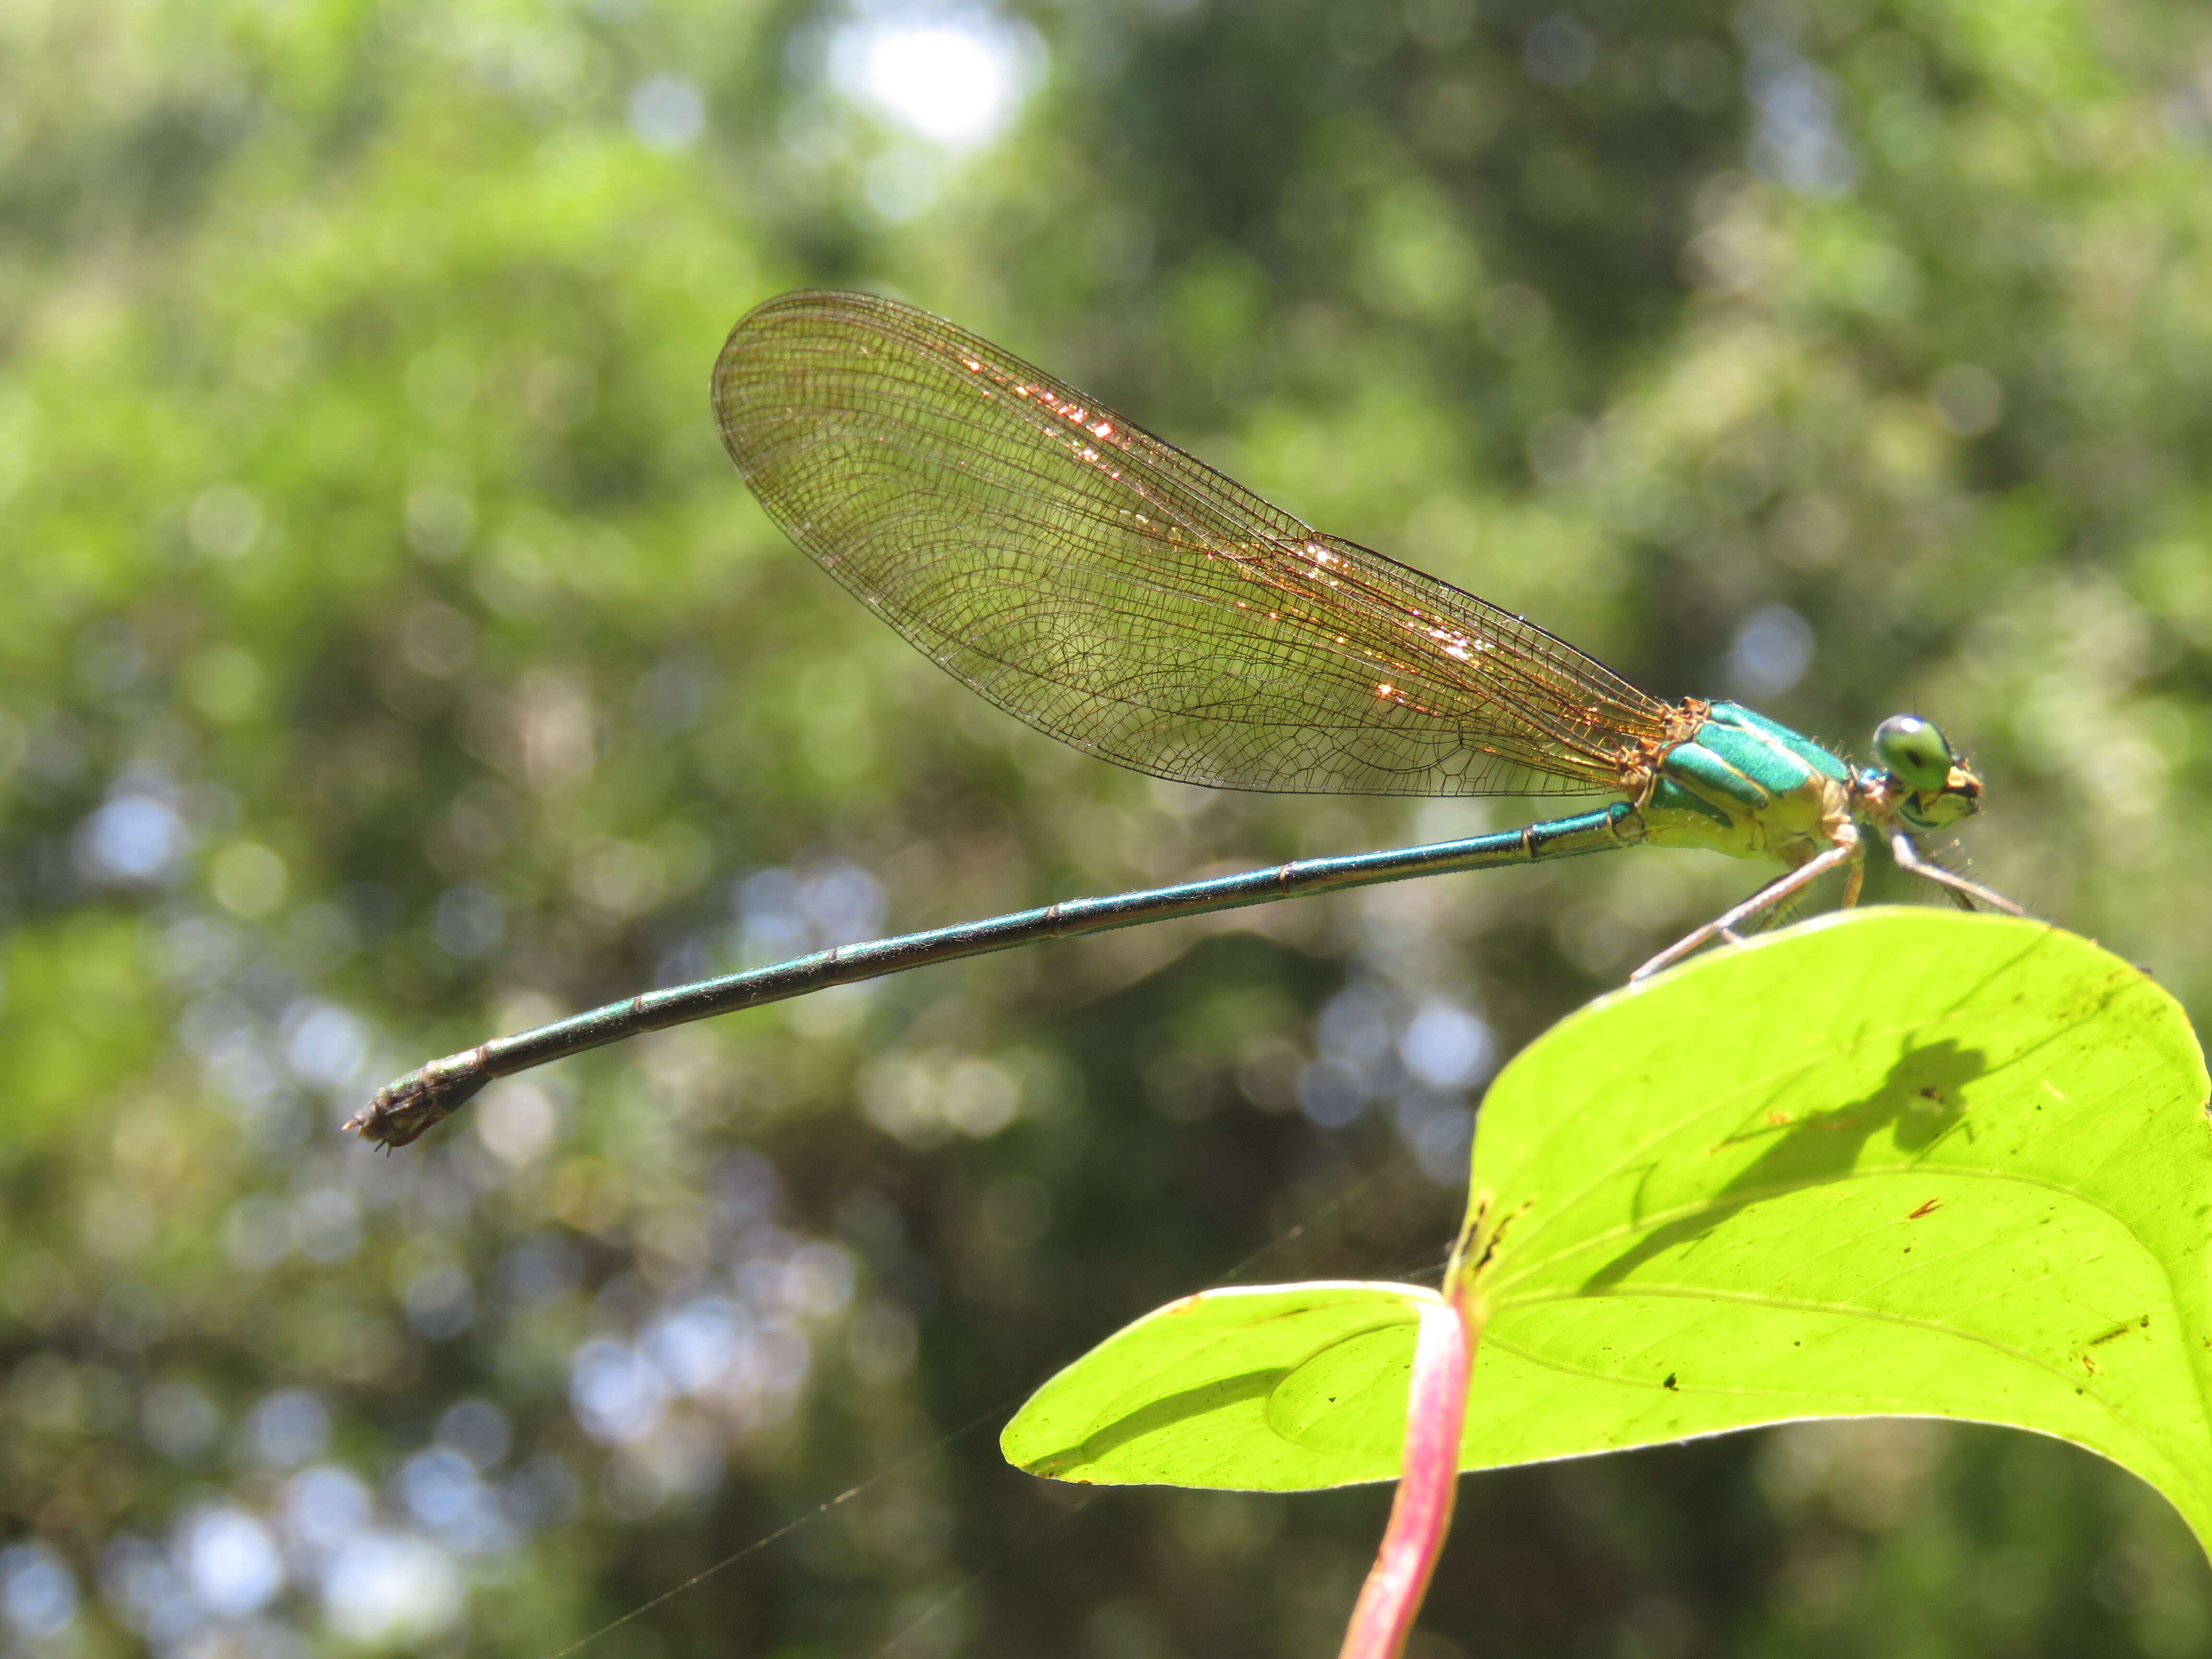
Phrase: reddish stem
{"type": "Point", "coordinates": [1420, 1515]}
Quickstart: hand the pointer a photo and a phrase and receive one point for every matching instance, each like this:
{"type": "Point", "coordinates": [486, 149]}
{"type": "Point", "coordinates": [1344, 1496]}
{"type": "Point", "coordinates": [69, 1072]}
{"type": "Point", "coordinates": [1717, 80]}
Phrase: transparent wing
{"type": "Point", "coordinates": [1113, 592]}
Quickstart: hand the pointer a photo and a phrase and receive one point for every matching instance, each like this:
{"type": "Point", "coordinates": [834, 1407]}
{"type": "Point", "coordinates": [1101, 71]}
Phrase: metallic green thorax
{"type": "Point", "coordinates": [1749, 786]}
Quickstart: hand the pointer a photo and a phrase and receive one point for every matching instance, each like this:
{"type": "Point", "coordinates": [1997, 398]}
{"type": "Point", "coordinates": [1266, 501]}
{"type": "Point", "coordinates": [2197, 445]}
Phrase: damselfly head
{"type": "Point", "coordinates": [1931, 785]}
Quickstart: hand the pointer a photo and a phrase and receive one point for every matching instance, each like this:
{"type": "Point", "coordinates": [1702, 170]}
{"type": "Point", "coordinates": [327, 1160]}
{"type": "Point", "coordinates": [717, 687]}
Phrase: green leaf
{"type": "Point", "coordinates": [1266, 1387]}
{"type": "Point", "coordinates": [1890, 1163]}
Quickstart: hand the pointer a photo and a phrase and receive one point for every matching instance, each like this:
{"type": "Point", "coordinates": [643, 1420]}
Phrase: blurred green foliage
{"type": "Point", "coordinates": [388, 656]}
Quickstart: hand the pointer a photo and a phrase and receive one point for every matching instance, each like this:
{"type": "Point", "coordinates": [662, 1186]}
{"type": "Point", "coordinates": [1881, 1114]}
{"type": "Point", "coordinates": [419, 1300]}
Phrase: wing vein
{"type": "Point", "coordinates": [1116, 594]}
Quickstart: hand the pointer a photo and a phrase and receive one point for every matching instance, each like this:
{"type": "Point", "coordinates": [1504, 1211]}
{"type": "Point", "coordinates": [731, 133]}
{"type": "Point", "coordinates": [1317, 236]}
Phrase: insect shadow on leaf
{"type": "Point", "coordinates": [1921, 1097]}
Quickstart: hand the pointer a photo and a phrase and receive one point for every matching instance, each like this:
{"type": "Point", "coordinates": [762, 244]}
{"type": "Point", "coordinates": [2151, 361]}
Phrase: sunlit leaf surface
{"type": "Point", "coordinates": [1270, 1387]}
{"type": "Point", "coordinates": [1900, 1163]}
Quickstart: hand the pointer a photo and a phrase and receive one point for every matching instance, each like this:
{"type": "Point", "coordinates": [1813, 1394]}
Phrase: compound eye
{"type": "Point", "coordinates": [1913, 751]}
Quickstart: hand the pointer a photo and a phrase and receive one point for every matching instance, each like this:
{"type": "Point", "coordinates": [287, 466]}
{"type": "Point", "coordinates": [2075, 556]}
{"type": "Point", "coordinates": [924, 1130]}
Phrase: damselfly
{"type": "Point", "coordinates": [1119, 595]}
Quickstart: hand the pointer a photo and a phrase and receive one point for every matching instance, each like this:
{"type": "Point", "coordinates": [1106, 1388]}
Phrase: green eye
{"type": "Point", "coordinates": [1913, 751]}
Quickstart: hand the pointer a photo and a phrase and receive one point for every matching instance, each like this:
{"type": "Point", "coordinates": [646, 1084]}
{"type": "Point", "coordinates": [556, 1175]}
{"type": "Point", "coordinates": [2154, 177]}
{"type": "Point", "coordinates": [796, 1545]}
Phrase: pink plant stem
{"type": "Point", "coordinates": [1420, 1515]}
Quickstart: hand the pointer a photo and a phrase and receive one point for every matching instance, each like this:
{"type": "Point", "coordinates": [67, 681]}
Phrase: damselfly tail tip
{"type": "Point", "coordinates": [405, 1109]}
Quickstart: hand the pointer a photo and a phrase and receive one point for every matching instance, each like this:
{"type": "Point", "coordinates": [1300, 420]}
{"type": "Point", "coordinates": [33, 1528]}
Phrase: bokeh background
{"type": "Point", "coordinates": [388, 658]}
